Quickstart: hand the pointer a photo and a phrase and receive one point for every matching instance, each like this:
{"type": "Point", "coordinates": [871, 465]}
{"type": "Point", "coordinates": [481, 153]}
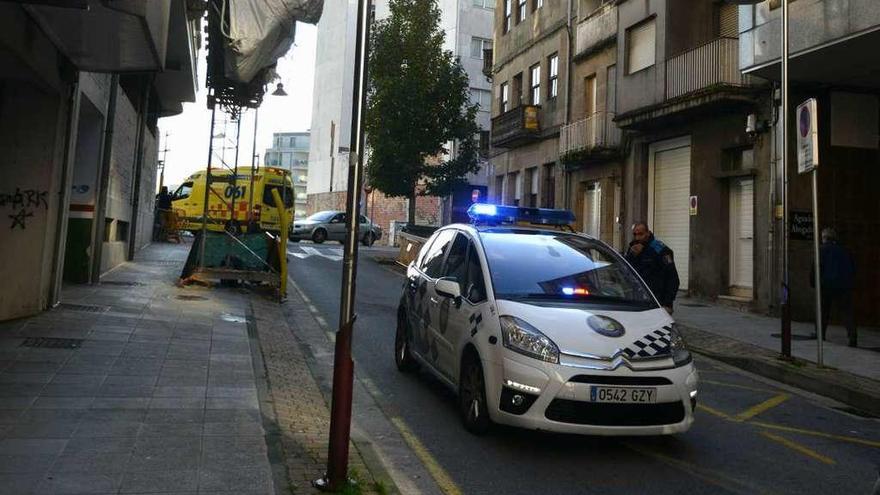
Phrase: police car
{"type": "Point", "coordinates": [539, 327]}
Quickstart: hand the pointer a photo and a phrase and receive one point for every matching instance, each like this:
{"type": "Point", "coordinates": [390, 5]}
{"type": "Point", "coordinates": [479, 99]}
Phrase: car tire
{"type": "Point", "coordinates": [368, 239]}
{"type": "Point", "coordinates": [473, 407]}
{"type": "Point", "coordinates": [319, 236]}
{"type": "Point", "coordinates": [403, 357]}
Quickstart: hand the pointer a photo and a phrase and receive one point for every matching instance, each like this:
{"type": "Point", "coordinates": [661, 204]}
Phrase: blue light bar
{"type": "Point", "coordinates": [497, 214]}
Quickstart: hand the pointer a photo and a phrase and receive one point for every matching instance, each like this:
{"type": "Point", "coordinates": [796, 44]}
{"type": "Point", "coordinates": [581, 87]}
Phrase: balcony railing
{"type": "Point", "coordinates": [712, 64]}
{"type": "Point", "coordinates": [596, 30]}
{"type": "Point", "coordinates": [598, 131]}
{"type": "Point", "coordinates": [516, 126]}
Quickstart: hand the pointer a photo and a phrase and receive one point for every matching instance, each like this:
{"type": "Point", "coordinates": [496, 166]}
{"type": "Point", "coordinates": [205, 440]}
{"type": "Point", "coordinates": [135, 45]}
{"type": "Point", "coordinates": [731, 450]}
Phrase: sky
{"type": "Point", "coordinates": [187, 140]}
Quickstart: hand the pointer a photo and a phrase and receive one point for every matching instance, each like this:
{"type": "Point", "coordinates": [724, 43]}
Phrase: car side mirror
{"type": "Point", "coordinates": [448, 287]}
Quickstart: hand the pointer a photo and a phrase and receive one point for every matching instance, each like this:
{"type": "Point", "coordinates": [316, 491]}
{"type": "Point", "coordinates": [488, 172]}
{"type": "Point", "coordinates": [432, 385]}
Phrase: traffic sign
{"type": "Point", "coordinates": [807, 136]}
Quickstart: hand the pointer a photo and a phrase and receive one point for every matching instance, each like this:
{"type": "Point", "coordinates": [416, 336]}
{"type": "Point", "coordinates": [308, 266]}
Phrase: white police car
{"type": "Point", "coordinates": [543, 329]}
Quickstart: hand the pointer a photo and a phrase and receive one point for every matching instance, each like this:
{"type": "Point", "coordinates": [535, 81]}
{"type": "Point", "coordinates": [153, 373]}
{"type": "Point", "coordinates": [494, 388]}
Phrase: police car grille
{"type": "Point", "coordinates": [588, 413]}
{"type": "Point", "coordinates": [621, 380]}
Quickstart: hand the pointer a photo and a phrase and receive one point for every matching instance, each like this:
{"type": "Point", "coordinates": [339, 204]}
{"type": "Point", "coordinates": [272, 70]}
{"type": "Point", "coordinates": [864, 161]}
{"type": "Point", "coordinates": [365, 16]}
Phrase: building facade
{"type": "Point", "coordinates": [531, 100]}
{"type": "Point", "coordinates": [833, 58]}
{"type": "Point", "coordinates": [78, 134]}
{"type": "Point", "coordinates": [290, 151]}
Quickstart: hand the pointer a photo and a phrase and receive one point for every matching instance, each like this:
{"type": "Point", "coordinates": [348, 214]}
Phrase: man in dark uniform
{"type": "Point", "coordinates": [655, 263]}
{"type": "Point", "coordinates": [838, 276]}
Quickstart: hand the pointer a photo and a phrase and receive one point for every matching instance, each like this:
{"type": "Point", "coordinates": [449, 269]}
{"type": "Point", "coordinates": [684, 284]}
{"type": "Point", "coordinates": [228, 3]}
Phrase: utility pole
{"type": "Point", "coordinates": [786, 294]}
{"type": "Point", "coordinates": [343, 366]}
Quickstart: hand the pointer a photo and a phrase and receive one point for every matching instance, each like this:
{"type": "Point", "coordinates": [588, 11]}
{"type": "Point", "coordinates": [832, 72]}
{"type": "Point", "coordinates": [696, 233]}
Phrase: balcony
{"type": "Point", "coordinates": [596, 135]}
{"type": "Point", "coordinates": [516, 127]}
{"type": "Point", "coordinates": [596, 31]}
{"type": "Point", "coordinates": [714, 64]}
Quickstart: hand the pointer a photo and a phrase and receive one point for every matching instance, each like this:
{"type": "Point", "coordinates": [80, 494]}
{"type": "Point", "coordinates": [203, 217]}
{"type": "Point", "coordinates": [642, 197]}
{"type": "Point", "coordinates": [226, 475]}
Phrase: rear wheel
{"type": "Point", "coordinates": [403, 357]}
{"type": "Point", "coordinates": [319, 236]}
{"type": "Point", "coordinates": [472, 396]}
{"type": "Point", "coordinates": [368, 239]}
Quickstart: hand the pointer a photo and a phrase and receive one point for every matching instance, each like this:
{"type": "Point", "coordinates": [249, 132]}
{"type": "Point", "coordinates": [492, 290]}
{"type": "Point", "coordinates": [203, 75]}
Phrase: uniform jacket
{"type": "Point", "coordinates": [838, 268]}
{"type": "Point", "coordinates": [656, 265]}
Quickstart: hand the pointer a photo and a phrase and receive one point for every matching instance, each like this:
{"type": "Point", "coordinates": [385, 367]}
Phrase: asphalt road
{"type": "Point", "coordinates": [750, 436]}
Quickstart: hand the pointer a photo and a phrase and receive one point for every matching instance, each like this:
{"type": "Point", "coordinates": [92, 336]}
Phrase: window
{"type": "Point", "coordinates": [521, 12]}
{"type": "Point", "coordinates": [286, 196]}
{"type": "Point", "coordinates": [456, 262]}
{"type": "Point", "coordinates": [517, 90]}
{"type": "Point", "coordinates": [553, 76]}
{"type": "Point", "coordinates": [481, 97]}
{"type": "Point", "coordinates": [475, 287]}
{"type": "Point", "coordinates": [533, 187]}
{"type": "Point", "coordinates": [486, 4]}
{"type": "Point", "coordinates": [183, 191]}
{"type": "Point", "coordinates": [505, 97]}
{"type": "Point", "coordinates": [508, 7]}
{"type": "Point", "coordinates": [535, 82]}
{"type": "Point", "coordinates": [484, 143]}
{"type": "Point", "coordinates": [590, 95]}
{"type": "Point", "coordinates": [537, 4]}
{"type": "Point", "coordinates": [286, 160]}
{"type": "Point", "coordinates": [517, 188]}
{"type": "Point", "coordinates": [549, 199]}
{"type": "Point", "coordinates": [121, 231]}
{"type": "Point", "coordinates": [363, 219]}
{"type": "Point", "coordinates": [640, 49]}
{"type": "Point", "coordinates": [432, 264]}
{"type": "Point", "coordinates": [478, 45]}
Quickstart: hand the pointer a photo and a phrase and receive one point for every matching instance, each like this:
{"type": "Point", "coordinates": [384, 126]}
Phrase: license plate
{"type": "Point", "coordinates": [623, 395]}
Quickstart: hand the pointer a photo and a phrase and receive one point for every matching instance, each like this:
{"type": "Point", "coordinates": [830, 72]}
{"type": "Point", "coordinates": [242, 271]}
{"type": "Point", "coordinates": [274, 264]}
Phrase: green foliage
{"type": "Point", "coordinates": [418, 102]}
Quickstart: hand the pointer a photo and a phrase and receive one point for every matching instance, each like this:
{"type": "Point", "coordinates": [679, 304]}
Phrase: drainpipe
{"type": "Point", "coordinates": [566, 174]}
{"type": "Point", "coordinates": [103, 182]}
{"type": "Point", "coordinates": [139, 163]}
{"type": "Point", "coordinates": [67, 165]}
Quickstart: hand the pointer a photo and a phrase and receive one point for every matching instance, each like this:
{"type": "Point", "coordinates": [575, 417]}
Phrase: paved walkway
{"type": "Point", "coordinates": [758, 330]}
{"type": "Point", "coordinates": [138, 386]}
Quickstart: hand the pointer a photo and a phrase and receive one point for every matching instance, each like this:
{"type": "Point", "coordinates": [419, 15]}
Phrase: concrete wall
{"type": "Point", "coordinates": [647, 86]}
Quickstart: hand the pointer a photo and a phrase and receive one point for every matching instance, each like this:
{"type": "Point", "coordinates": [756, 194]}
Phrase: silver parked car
{"type": "Point", "coordinates": [330, 225]}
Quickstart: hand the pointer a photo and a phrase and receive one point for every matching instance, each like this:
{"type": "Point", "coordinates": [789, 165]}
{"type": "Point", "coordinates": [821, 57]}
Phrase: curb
{"type": "Point", "coordinates": [858, 392]}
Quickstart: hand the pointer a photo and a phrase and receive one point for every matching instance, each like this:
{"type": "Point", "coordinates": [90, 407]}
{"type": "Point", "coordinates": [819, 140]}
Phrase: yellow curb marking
{"type": "Point", "coordinates": [714, 412]}
{"type": "Point", "coordinates": [437, 472]}
{"type": "Point", "coordinates": [762, 407]}
{"type": "Point", "coordinates": [799, 448]}
{"type": "Point", "coordinates": [713, 477]}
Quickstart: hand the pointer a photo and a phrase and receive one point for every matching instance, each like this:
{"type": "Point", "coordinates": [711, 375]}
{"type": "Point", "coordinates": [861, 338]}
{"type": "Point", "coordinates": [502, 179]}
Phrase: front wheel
{"type": "Point", "coordinates": [472, 396]}
{"type": "Point", "coordinates": [369, 239]}
{"type": "Point", "coordinates": [319, 236]}
{"type": "Point", "coordinates": [403, 357]}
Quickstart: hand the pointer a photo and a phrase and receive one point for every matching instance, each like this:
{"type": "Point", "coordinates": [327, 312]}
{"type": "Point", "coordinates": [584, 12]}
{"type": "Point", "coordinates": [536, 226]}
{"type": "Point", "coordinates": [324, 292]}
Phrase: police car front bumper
{"type": "Point", "coordinates": [531, 394]}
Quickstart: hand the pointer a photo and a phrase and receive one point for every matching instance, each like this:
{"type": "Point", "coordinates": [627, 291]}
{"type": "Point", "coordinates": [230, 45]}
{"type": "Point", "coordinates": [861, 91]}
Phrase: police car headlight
{"type": "Point", "coordinates": [519, 336]}
{"type": "Point", "coordinates": [680, 353]}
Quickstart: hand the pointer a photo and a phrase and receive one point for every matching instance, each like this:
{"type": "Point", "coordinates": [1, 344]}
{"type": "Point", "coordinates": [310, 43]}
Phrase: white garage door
{"type": "Point", "coordinates": [669, 194]}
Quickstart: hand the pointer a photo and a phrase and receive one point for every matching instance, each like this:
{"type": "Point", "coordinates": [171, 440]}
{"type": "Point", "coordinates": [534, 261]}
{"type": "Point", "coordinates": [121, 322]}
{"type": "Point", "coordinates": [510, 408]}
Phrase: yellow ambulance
{"type": "Point", "coordinates": [228, 200]}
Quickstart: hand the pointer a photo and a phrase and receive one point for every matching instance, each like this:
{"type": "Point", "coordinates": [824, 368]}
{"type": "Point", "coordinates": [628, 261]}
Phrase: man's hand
{"type": "Point", "coordinates": [637, 248]}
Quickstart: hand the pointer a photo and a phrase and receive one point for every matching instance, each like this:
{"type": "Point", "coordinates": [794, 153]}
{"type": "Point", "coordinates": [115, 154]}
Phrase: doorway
{"type": "Point", "coordinates": [742, 210]}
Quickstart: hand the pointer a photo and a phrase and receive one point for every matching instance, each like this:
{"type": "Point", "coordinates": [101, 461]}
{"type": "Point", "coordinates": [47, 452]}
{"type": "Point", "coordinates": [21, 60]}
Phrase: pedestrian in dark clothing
{"type": "Point", "coordinates": [837, 274]}
{"type": "Point", "coordinates": [655, 262]}
{"type": "Point", "coordinates": [163, 200]}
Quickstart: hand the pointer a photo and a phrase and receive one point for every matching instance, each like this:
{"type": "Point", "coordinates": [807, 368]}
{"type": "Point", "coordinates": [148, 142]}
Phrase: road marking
{"type": "Point", "coordinates": [799, 448]}
{"type": "Point", "coordinates": [735, 385]}
{"type": "Point", "coordinates": [861, 441]}
{"type": "Point", "coordinates": [444, 481]}
{"type": "Point", "coordinates": [714, 412]}
{"type": "Point", "coordinates": [762, 407]}
{"type": "Point", "coordinates": [708, 475]}
{"type": "Point", "coordinates": [332, 254]}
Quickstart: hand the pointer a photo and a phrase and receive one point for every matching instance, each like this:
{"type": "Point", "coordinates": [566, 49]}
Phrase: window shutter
{"type": "Point", "coordinates": [641, 49]}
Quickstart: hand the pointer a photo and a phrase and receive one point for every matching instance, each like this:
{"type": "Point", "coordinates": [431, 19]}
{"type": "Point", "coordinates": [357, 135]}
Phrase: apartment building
{"type": "Point", "coordinates": [833, 58]}
{"type": "Point", "coordinates": [531, 100]}
{"type": "Point", "coordinates": [290, 151]}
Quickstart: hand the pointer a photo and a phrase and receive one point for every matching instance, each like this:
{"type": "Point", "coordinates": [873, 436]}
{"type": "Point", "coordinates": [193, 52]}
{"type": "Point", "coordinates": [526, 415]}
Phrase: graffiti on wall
{"type": "Point", "coordinates": [23, 203]}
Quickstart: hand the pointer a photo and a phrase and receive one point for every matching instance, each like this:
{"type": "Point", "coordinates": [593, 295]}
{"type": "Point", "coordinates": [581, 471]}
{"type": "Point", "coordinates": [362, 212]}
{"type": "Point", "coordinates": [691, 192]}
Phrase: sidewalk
{"type": "Point", "coordinates": [850, 375]}
{"type": "Point", "coordinates": [138, 386]}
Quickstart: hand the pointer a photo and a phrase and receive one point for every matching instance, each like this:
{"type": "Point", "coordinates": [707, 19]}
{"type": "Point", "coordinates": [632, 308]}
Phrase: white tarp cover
{"type": "Point", "coordinates": [261, 32]}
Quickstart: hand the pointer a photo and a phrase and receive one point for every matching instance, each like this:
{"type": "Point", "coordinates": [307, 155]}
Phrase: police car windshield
{"type": "Point", "coordinates": [545, 265]}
